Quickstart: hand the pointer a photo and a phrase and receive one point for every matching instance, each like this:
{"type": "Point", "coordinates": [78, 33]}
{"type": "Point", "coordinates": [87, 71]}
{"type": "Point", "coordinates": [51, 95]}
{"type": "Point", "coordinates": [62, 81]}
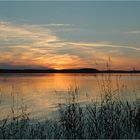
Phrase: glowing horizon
{"type": "Point", "coordinates": [80, 40]}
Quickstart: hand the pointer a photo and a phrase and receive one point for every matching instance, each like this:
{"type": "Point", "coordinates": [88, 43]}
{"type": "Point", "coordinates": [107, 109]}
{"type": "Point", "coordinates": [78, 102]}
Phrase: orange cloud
{"type": "Point", "coordinates": [36, 46]}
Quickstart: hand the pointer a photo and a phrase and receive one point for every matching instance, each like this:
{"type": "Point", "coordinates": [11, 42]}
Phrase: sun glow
{"type": "Point", "coordinates": [38, 47]}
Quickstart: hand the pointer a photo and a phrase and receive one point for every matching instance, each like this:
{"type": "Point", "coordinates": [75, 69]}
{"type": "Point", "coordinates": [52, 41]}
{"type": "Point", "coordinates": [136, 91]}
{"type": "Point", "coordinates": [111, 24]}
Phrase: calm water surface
{"type": "Point", "coordinates": [41, 93]}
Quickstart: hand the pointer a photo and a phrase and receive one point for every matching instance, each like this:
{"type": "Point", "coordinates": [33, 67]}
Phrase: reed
{"type": "Point", "coordinates": [109, 118]}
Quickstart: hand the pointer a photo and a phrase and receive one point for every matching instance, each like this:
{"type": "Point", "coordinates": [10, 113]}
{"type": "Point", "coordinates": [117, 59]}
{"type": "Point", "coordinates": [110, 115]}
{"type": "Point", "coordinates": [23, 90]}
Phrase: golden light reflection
{"type": "Point", "coordinates": [42, 92]}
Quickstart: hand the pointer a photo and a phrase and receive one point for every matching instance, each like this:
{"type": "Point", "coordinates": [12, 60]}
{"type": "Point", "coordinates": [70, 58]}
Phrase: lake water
{"type": "Point", "coordinates": [41, 93]}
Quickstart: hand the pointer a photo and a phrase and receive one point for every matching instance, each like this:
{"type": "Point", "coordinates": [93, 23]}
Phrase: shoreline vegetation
{"type": "Point", "coordinates": [83, 70]}
{"type": "Point", "coordinates": [108, 118]}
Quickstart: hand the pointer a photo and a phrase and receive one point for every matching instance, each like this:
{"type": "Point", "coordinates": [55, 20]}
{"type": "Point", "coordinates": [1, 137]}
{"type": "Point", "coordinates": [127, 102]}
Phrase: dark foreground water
{"type": "Point", "coordinates": [40, 94]}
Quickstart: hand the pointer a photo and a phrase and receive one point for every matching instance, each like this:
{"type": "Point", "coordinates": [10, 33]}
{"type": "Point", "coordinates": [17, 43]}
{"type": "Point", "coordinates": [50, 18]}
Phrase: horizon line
{"type": "Point", "coordinates": [80, 70]}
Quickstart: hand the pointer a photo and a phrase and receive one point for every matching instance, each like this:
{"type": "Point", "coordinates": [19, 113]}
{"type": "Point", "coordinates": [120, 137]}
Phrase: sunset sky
{"type": "Point", "coordinates": [69, 34]}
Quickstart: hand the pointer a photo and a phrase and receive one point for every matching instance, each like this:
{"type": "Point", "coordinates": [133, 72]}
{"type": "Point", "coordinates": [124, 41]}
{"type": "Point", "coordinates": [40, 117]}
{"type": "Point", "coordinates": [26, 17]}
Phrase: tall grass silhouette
{"type": "Point", "coordinates": [109, 118]}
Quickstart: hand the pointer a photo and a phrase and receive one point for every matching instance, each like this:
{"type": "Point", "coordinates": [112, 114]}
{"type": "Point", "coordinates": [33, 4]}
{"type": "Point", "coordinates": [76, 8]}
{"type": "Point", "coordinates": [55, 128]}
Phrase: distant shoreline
{"type": "Point", "coordinates": [84, 70]}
